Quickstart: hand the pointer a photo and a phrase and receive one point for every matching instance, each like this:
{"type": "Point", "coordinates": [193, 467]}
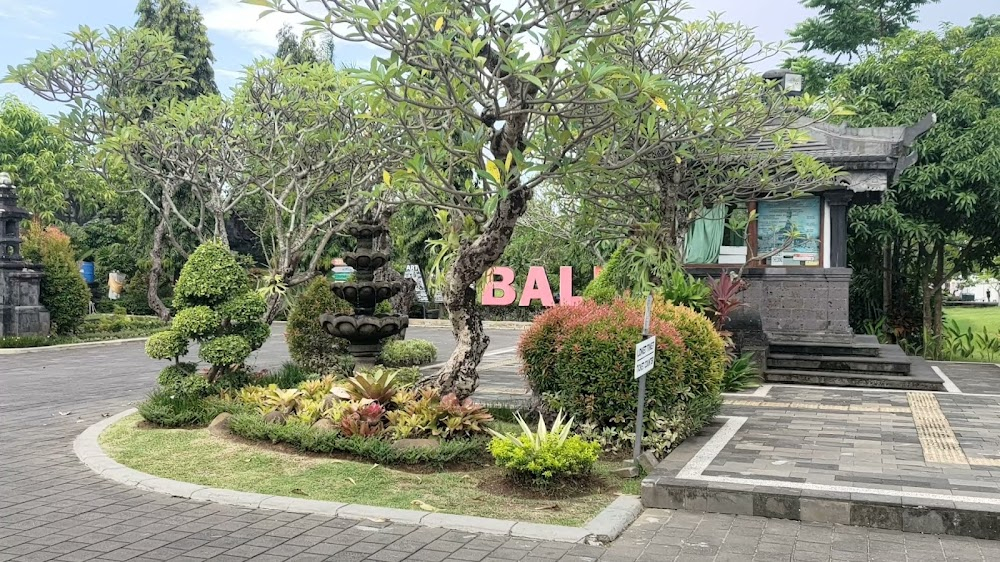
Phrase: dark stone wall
{"type": "Point", "coordinates": [807, 303]}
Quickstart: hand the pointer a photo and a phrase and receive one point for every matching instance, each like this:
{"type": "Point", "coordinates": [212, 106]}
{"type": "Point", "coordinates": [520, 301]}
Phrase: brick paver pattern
{"type": "Point", "coordinates": [54, 508]}
{"type": "Point", "coordinates": [900, 441]}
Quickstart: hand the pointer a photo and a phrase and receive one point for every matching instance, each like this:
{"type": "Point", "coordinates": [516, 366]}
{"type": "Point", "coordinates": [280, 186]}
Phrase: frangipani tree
{"type": "Point", "coordinates": [489, 100]}
{"type": "Point", "coordinates": [290, 143]}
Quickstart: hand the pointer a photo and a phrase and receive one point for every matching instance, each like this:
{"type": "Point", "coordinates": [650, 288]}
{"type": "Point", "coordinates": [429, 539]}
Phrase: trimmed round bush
{"type": "Point", "coordinates": [247, 308]}
{"type": "Point", "coordinates": [583, 355]}
{"type": "Point", "coordinates": [407, 353]}
{"type": "Point", "coordinates": [184, 379]}
{"type": "Point", "coordinates": [197, 322]}
{"type": "Point", "coordinates": [225, 350]}
{"type": "Point", "coordinates": [173, 374]}
{"type": "Point", "coordinates": [256, 334]}
{"type": "Point", "coordinates": [211, 275]}
{"type": "Point", "coordinates": [308, 343]}
{"type": "Point", "coordinates": [706, 360]}
{"type": "Point", "coordinates": [168, 344]}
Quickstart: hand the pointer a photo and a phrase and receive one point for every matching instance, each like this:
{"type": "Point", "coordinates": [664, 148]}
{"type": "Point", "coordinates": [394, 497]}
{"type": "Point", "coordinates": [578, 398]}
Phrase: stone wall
{"type": "Point", "coordinates": [807, 303]}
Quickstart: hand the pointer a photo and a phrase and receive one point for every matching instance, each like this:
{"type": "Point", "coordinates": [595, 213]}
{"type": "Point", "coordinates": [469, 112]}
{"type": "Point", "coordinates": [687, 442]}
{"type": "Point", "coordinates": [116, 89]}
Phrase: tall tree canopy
{"type": "Point", "coordinates": [845, 28]}
{"type": "Point", "coordinates": [296, 49]}
{"type": "Point", "coordinates": [183, 24]}
{"type": "Point", "coordinates": [50, 172]}
{"type": "Point", "coordinates": [941, 217]}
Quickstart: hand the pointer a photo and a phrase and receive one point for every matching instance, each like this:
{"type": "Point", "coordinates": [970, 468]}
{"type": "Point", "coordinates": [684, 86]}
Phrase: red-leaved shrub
{"type": "Point", "coordinates": [584, 355]}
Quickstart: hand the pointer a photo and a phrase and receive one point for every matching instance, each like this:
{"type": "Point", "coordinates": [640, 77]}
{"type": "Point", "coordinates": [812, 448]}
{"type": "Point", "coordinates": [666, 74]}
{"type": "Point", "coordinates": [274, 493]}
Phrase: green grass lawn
{"type": "Point", "coordinates": [195, 455]}
{"type": "Point", "coordinates": [975, 318]}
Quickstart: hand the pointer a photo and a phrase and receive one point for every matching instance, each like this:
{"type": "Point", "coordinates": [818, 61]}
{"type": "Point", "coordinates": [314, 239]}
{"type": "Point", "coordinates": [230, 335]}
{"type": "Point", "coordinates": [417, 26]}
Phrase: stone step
{"type": "Point", "coordinates": [865, 380]}
{"type": "Point", "coordinates": [834, 363]}
{"type": "Point", "coordinates": [859, 347]}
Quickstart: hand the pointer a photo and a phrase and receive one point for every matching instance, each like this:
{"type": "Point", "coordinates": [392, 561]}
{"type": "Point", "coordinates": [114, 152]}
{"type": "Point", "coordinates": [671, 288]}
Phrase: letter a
{"type": "Point", "coordinates": [536, 286]}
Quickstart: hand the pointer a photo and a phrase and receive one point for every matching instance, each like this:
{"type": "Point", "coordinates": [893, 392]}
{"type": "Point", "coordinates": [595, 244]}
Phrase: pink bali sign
{"type": "Point", "coordinates": [501, 292]}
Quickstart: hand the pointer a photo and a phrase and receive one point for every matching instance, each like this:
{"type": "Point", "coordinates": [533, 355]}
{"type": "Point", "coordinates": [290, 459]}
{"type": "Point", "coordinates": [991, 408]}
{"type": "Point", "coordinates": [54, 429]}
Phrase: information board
{"type": "Point", "coordinates": [779, 220]}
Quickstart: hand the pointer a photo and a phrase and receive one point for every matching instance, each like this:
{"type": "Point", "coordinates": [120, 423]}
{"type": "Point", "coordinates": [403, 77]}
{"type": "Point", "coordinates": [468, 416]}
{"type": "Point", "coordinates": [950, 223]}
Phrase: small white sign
{"type": "Point", "coordinates": [645, 355]}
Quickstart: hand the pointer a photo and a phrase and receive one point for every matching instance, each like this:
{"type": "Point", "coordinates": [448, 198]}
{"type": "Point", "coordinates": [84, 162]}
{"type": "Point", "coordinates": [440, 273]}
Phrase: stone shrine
{"type": "Point", "coordinates": [20, 282]}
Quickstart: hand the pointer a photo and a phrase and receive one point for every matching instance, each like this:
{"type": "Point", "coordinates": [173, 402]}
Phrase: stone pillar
{"type": "Point", "coordinates": [838, 201]}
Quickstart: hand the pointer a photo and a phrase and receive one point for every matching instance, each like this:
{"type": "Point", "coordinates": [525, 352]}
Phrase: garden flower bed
{"type": "Point", "coordinates": [472, 487]}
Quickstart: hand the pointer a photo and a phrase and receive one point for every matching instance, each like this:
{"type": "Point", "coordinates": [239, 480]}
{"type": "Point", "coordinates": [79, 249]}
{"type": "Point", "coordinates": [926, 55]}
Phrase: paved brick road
{"type": "Point", "coordinates": [53, 508]}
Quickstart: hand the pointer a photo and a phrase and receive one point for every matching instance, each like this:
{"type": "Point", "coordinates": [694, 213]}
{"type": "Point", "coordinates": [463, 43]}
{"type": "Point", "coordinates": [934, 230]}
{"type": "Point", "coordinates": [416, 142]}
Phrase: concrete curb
{"type": "Point", "coordinates": [603, 528]}
{"type": "Point", "coordinates": [494, 324]}
{"type": "Point", "coordinates": [98, 343]}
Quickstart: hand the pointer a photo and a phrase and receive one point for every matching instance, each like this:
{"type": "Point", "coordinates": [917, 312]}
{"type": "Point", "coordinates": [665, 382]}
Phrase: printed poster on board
{"type": "Point", "coordinates": [776, 220]}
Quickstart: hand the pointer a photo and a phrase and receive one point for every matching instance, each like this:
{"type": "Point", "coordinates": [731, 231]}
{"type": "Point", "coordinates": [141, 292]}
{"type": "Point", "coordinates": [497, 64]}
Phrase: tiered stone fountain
{"type": "Point", "coordinates": [364, 329]}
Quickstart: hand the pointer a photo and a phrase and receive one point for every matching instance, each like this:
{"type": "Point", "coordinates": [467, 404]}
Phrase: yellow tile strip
{"type": "Point", "coordinates": [937, 439]}
{"type": "Point", "coordinates": [818, 406]}
{"type": "Point", "coordinates": [983, 461]}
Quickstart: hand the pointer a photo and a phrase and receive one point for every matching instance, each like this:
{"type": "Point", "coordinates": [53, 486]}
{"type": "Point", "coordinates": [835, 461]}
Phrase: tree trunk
{"type": "Point", "coordinates": [887, 283]}
{"type": "Point", "coordinates": [273, 307]}
{"type": "Point", "coordinates": [925, 296]}
{"type": "Point", "coordinates": [156, 271]}
{"type": "Point", "coordinates": [672, 227]}
{"type": "Point", "coordinates": [938, 297]}
{"type": "Point", "coordinates": [459, 374]}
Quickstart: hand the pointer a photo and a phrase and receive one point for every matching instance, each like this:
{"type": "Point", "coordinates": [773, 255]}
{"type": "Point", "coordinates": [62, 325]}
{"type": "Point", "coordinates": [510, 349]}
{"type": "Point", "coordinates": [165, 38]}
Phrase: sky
{"type": "Point", "coordinates": [238, 36]}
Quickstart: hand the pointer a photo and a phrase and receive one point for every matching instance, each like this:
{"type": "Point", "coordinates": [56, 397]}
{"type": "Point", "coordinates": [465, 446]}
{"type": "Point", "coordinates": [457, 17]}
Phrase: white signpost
{"type": "Point", "coordinates": [645, 358]}
{"type": "Point", "coordinates": [645, 355]}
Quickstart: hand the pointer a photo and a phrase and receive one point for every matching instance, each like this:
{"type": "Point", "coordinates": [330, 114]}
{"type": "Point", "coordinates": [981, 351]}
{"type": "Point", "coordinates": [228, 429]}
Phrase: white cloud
{"type": "Point", "coordinates": [24, 13]}
{"type": "Point", "coordinates": [243, 23]}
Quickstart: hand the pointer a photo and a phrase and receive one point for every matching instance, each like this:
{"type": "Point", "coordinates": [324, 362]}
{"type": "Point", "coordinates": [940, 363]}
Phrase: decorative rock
{"type": "Point", "coordinates": [324, 424]}
{"type": "Point", "coordinates": [275, 417]}
{"type": "Point", "coordinates": [408, 444]}
{"type": "Point", "coordinates": [627, 471]}
{"type": "Point", "coordinates": [648, 461]}
{"type": "Point", "coordinates": [220, 424]}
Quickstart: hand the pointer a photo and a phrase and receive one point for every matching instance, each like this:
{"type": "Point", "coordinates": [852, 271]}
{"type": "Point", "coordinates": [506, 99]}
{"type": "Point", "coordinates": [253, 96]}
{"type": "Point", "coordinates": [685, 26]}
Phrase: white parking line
{"type": "Point", "coordinates": [501, 351]}
{"type": "Point", "coordinates": [948, 385]}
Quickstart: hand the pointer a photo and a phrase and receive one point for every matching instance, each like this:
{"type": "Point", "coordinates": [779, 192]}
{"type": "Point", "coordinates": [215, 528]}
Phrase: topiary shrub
{"type": "Point", "coordinates": [581, 358]}
{"type": "Point", "coordinates": [407, 353]}
{"type": "Point", "coordinates": [215, 307]}
{"type": "Point", "coordinates": [63, 292]}
{"type": "Point", "coordinates": [168, 344]}
{"type": "Point", "coordinates": [310, 346]}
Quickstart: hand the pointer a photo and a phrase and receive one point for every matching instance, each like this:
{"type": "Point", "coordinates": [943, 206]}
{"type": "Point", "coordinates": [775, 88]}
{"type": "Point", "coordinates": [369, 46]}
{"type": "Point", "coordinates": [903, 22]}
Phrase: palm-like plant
{"type": "Point", "coordinates": [378, 385]}
{"type": "Point", "coordinates": [535, 439]}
